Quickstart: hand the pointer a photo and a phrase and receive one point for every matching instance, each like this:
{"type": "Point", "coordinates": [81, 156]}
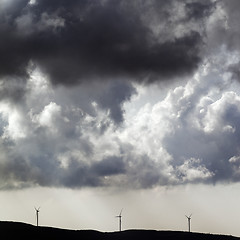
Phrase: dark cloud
{"type": "Point", "coordinates": [76, 40]}
{"type": "Point", "coordinates": [234, 69]}
{"type": "Point", "coordinates": [13, 90]}
{"type": "Point", "coordinates": [85, 41]}
{"type": "Point", "coordinates": [110, 166]}
{"type": "Point", "coordinates": [40, 166]}
{"type": "Point", "coordinates": [198, 10]}
{"type": "Point", "coordinates": [109, 97]}
{"type": "Point", "coordinates": [114, 96]}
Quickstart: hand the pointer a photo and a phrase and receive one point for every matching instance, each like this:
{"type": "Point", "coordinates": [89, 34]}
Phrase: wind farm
{"type": "Point", "coordinates": [20, 229]}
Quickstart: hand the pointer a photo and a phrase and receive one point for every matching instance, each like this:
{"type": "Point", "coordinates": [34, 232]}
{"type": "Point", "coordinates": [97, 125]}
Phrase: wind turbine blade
{"type": "Point", "coordinates": [190, 215]}
{"type": "Point", "coordinates": [37, 209]}
{"type": "Point", "coordinates": [121, 212]}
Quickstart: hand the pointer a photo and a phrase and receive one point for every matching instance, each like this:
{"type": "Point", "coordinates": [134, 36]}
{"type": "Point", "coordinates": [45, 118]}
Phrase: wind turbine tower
{"type": "Point", "coordinates": [37, 212]}
{"type": "Point", "coordinates": [120, 221]}
{"type": "Point", "coordinates": [189, 222]}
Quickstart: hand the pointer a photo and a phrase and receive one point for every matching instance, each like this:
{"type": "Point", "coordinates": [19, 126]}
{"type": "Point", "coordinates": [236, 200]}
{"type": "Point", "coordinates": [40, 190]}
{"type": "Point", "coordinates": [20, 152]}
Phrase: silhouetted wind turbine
{"type": "Point", "coordinates": [120, 220]}
{"type": "Point", "coordinates": [37, 211]}
{"type": "Point", "coordinates": [189, 219]}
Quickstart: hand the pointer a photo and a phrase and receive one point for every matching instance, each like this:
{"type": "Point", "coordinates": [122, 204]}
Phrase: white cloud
{"type": "Point", "coordinates": [234, 159]}
{"type": "Point", "coordinates": [48, 116]}
{"type": "Point", "coordinates": [216, 118]}
{"type": "Point", "coordinates": [192, 170]}
{"type": "Point", "coordinates": [14, 127]}
{"type": "Point", "coordinates": [32, 2]}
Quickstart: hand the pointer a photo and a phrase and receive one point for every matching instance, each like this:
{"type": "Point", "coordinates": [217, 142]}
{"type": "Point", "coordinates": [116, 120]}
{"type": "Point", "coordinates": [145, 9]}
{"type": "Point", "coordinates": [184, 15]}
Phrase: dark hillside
{"type": "Point", "coordinates": [14, 230]}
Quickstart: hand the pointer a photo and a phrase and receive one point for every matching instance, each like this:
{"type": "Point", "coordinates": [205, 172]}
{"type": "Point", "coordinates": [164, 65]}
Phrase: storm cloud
{"type": "Point", "coordinates": [74, 41]}
{"type": "Point", "coordinates": [118, 94]}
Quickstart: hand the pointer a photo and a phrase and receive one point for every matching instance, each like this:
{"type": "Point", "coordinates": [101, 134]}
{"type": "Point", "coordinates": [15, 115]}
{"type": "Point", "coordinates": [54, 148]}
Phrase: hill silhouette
{"type": "Point", "coordinates": [17, 230]}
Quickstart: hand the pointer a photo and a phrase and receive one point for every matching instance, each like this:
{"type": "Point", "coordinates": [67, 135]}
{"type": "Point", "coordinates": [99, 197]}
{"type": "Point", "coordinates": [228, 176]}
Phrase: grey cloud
{"type": "Point", "coordinates": [197, 10]}
{"type": "Point", "coordinates": [108, 97]}
{"type": "Point", "coordinates": [211, 145]}
{"type": "Point", "coordinates": [78, 175]}
{"type": "Point", "coordinates": [86, 174]}
{"type": "Point", "coordinates": [83, 174]}
{"type": "Point", "coordinates": [214, 154]}
{"type": "Point", "coordinates": [144, 173]}
{"type": "Point", "coordinates": [223, 30]}
{"type": "Point", "coordinates": [113, 97]}
{"type": "Point", "coordinates": [110, 166]}
{"type": "Point", "coordinates": [232, 32]}
{"type": "Point", "coordinates": [97, 40]}
{"type": "Point", "coordinates": [40, 166]}
{"type": "Point", "coordinates": [234, 69]}
{"type": "Point", "coordinates": [20, 170]}
{"type": "Point", "coordinates": [53, 145]}
{"type": "Point", "coordinates": [13, 89]}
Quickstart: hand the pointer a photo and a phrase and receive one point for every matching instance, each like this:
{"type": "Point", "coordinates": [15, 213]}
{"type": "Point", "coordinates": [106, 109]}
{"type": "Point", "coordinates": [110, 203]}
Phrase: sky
{"type": "Point", "coordinates": [111, 104]}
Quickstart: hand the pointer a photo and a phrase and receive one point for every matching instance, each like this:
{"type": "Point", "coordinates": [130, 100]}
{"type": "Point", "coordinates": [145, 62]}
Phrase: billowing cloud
{"type": "Point", "coordinates": [77, 108]}
{"type": "Point", "coordinates": [189, 136]}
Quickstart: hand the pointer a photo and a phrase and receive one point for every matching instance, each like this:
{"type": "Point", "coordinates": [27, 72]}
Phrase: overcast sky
{"type": "Point", "coordinates": [110, 104]}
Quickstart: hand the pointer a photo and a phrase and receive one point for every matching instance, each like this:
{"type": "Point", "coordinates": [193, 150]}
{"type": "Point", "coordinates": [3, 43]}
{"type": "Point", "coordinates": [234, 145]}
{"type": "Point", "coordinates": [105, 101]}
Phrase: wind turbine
{"type": "Point", "coordinates": [37, 212]}
{"type": "Point", "coordinates": [189, 219]}
{"type": "Point", "coordinates": [120, 220]}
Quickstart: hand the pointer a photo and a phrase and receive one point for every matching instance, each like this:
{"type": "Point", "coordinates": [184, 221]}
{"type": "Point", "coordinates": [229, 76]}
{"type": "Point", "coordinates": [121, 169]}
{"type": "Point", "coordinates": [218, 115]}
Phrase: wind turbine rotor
{"type": "Point", "coordinates": [37, 212]}
{"type": "Point", "coordinates": [189, 219]}
{"type": "Point", "coordinates": [120, 220]}
{"type": "Point", "coordinates": [37, 209]}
